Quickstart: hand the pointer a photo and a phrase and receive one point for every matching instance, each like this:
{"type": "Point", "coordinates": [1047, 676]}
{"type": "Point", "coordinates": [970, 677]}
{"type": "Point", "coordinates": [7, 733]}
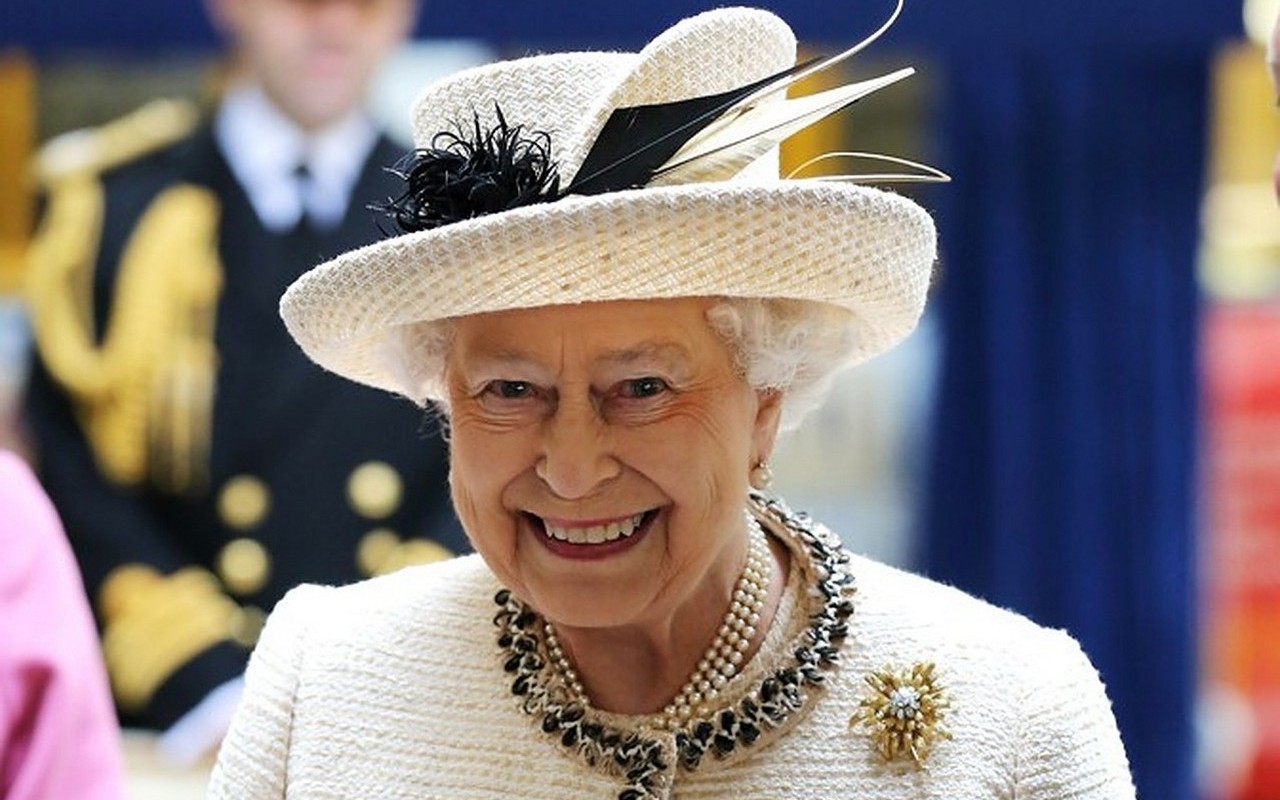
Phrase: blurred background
{"type": "Point", "coordinates": [1086, 427]}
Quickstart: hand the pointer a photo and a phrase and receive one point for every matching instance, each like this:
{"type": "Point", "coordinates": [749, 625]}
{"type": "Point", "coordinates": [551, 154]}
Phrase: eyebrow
{"type": "Point", "coordinates": [507, 355]}
{"type": "Point", "coordinates": [645, 351]}
{"type": "Point", "coordinates": [648, 351]}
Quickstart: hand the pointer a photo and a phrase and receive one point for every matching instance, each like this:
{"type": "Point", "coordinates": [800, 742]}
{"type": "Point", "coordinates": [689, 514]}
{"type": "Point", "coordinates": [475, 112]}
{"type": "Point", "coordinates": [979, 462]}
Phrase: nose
{"type": "Point", "coordinates": [577, 456]}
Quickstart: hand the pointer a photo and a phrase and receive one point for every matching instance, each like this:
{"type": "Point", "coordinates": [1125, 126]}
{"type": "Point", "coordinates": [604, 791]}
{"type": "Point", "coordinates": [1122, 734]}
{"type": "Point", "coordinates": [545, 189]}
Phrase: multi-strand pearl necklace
{"type": "Point", "coordinates": [723, 658]}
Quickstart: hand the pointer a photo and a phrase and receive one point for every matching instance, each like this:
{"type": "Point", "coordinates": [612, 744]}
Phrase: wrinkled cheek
{"type": "Point", "coordinates": [469, 489]}
{"type": "Point", "coordinates": [463, 504]}
{"type": "Point", "coordinates": [476, 488]}
{"type": "Point", "coordinates": [490, 537]}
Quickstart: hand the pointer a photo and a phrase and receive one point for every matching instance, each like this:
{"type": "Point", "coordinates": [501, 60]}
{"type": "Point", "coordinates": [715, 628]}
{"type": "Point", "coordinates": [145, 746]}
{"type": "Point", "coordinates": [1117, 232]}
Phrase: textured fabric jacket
{"type": "Point", "coordinates": [394, 688]}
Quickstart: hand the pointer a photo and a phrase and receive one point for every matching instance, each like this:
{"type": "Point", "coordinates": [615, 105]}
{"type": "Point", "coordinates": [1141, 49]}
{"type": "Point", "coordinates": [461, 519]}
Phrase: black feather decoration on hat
{"type": "Point", "coordinates": [466, 174]}
{"type": "Point", "coordinates": [637, 140]}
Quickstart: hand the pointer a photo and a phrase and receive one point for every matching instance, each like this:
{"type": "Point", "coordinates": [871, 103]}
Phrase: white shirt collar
{"type": "Point", "coordinates": [264, 149]}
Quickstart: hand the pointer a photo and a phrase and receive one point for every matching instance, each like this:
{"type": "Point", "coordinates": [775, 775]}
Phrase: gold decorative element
{"type": "Point", "coordinates": [17, 139]}
{"type": "Point", "coordinates": [244, 566]}
{"type": "Point", "coordinates": [381, 552]}
{"type": "Point", "coordinates": [376, 549]}
{"type": "Point", "coordinates": [247, 626]}
{"type": "Point", "coordinates": [374, 490]}
{"type": "Point", "coordinates": [144, 392]}
{"type": "Point", "coordinates": [93, 151]}
{"type": "Point", "coordinates": [154, 624]}
{"type": "Point", "coordinates": [244, 502]}
{"type": "Point", "coordinates": [419, 551]}
{"type": "Point", "coordinates": [125, 587]}
{"type": "Point", "coordinates": [905, 712]}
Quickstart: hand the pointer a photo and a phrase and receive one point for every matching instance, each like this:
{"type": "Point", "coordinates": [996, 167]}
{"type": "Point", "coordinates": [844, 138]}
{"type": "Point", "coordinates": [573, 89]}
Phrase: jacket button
{"type": "Point", "coordinates": [382, 551]}
{"type": "Point", "coordinates": [244, 502]}
{"type": "Point", "coordinates": [247, 626]}
{"type": "Point", "coordinates": [376, 549]}
{"type": "Point", "coordinates": [420, 551]}
{"type": "Point", "coordinates": [374, 490]}
{"type": "Point", "coordinates": [244, 566]}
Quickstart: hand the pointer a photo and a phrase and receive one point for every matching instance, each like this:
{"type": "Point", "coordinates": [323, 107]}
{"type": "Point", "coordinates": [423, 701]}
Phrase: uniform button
{"type": "Point", "coordinates": [374, 490]}
{"type": "Point", "coordinates": [381, 551]}
{"type": "Point", "coordinates": [415, 551]}
{"type": "Point", "coordinates": [375, 549]}
{"type": "Point", "coordinates": [244, 566]}
{"type": "Point", "coordinates": [244, 502]}
{"type": "Point", "coordinates": [422, 551]}
{"type": "Point", "coordinates": [247, 625]}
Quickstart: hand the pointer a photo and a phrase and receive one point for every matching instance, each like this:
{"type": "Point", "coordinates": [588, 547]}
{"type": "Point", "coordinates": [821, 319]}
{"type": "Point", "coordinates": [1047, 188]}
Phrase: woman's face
{"type": "Point", "coordinates": [600, 455]}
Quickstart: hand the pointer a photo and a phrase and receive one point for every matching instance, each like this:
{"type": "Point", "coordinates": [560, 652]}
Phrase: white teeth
{"type": "Point", "coordinates": [596, 534]}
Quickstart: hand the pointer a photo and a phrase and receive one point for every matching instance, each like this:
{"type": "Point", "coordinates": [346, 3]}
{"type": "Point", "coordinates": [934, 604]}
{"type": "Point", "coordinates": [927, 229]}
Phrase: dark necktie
{"type": "Point", "coordinates": [303, 186]}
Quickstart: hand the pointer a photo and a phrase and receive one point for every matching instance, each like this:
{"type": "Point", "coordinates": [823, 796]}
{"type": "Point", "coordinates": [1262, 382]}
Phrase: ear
{"type": "Point", "coordinates": [765, 430]}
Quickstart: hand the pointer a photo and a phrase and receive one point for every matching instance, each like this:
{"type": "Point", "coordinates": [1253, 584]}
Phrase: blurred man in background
{"type": "Point", "coordinates": [192, 450]}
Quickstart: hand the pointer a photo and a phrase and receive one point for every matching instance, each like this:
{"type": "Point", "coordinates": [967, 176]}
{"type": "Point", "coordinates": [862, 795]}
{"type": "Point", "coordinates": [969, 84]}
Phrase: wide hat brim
{"type": "Point", "coordinates": [862, 249]}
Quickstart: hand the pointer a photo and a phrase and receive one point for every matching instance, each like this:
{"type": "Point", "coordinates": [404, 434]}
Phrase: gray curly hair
{"type": "Point", "coordinates": [792, 346]}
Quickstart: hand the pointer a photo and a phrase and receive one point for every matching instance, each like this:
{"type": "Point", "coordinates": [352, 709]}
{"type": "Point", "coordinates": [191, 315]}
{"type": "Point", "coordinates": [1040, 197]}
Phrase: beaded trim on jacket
{"type": "Point", "coordinates": [639, 759]}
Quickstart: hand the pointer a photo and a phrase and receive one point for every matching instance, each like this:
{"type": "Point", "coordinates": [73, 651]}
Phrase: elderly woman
{"type": "Point", "coordinates": [619, 308]}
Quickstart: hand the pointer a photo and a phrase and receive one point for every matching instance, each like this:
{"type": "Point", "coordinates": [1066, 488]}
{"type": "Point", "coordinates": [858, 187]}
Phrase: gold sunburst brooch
{"type": "Point", "coordinates": [905, 712]}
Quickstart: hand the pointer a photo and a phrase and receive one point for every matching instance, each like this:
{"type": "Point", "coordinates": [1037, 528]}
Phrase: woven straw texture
{"type": "Point", "coordinates": [867, 250]}
{"type": "Point", "coordinates": [394, 688]}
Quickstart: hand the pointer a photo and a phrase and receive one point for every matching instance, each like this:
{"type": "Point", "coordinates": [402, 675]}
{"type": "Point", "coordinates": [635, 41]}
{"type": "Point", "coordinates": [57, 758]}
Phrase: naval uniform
{"type": "Point", "coordinates": [202, 464]}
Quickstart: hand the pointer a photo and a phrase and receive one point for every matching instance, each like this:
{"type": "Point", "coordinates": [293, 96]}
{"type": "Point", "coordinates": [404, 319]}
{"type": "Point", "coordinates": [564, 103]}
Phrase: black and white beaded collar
{"type": "Point", "coordinates": [646, 760]}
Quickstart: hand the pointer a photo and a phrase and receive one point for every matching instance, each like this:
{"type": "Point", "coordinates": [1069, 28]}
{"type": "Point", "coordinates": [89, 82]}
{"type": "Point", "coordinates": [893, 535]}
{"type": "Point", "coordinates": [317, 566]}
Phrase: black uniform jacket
{"type": "Point", "coordinates": [310, 477]}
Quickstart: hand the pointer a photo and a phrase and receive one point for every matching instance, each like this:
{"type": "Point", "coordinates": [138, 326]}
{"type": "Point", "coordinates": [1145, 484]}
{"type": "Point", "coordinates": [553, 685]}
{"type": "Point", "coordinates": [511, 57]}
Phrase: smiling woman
{"type": "Point", "coordinates": [617, 358]}
{"type": "Point", "coordinates": [572, 424]}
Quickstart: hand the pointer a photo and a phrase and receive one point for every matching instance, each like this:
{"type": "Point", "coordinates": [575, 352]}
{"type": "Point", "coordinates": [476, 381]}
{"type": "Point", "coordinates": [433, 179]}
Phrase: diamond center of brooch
{"type": "Point", "coordinates": [904, 702]}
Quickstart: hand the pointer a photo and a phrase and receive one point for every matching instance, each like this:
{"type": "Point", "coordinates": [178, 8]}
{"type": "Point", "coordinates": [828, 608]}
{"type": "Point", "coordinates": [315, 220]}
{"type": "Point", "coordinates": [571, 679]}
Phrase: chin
{"type": "Point", "coordinates": [584, 609]}
{"type": "Point", "coordinates": [319, 106]}
{"type": "Point", "coordinates": [585, 600]}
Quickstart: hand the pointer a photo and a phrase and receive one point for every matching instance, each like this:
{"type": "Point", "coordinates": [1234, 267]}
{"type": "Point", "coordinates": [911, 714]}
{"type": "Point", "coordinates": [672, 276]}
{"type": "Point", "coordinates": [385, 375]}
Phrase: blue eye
{"type": "Point", "coordinates": [644, 387]}
{"type": "Point", "coordinates": [510, 390]}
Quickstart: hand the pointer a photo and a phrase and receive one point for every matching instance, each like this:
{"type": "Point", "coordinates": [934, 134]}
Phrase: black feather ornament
{"type": "Point", "coordinates": [638, 140]}
{"type": "Point", "coordinates": [466, 174]}
{"type": "Point", "coordinates": [713, 137]}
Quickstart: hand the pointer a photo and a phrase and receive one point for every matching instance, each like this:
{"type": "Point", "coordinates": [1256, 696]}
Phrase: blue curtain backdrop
{"type": "Point", "coordinates": [1062, 481]}
{"type": "Point", "coordinates": [46, 27]}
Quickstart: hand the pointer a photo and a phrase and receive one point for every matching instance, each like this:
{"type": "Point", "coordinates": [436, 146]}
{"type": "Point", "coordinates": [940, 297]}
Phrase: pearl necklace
{"type": "Point", "coordinates": [723, 657]}
{"type": "Point", "coordinates": [635, 750]}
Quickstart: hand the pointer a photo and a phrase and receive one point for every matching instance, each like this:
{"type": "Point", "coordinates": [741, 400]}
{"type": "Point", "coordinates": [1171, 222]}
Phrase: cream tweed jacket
{"type": "Point", "coordinates": [393, 688]}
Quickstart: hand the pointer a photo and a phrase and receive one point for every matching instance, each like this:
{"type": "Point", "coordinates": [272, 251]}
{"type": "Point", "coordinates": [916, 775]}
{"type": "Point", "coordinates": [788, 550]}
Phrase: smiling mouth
{"type": "Point", "coordinates": [595, 534]}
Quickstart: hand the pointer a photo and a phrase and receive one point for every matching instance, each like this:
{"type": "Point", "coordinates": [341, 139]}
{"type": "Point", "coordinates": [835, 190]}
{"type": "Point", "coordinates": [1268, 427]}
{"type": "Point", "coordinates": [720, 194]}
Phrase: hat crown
{"type": "Point", "coordinates": [707, 219]}
{"type": "Point", "coordinates": [570, 96]}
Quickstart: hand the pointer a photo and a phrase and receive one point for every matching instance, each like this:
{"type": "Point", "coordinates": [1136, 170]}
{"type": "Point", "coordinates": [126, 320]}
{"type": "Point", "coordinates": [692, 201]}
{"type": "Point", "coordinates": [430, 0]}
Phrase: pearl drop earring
{"type": "Point", "coordinates": [760, 476]}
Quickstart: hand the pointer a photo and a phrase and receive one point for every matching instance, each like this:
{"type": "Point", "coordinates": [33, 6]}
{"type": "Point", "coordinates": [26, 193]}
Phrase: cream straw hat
{"type": "Point", "coordinates": [712, 227]}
